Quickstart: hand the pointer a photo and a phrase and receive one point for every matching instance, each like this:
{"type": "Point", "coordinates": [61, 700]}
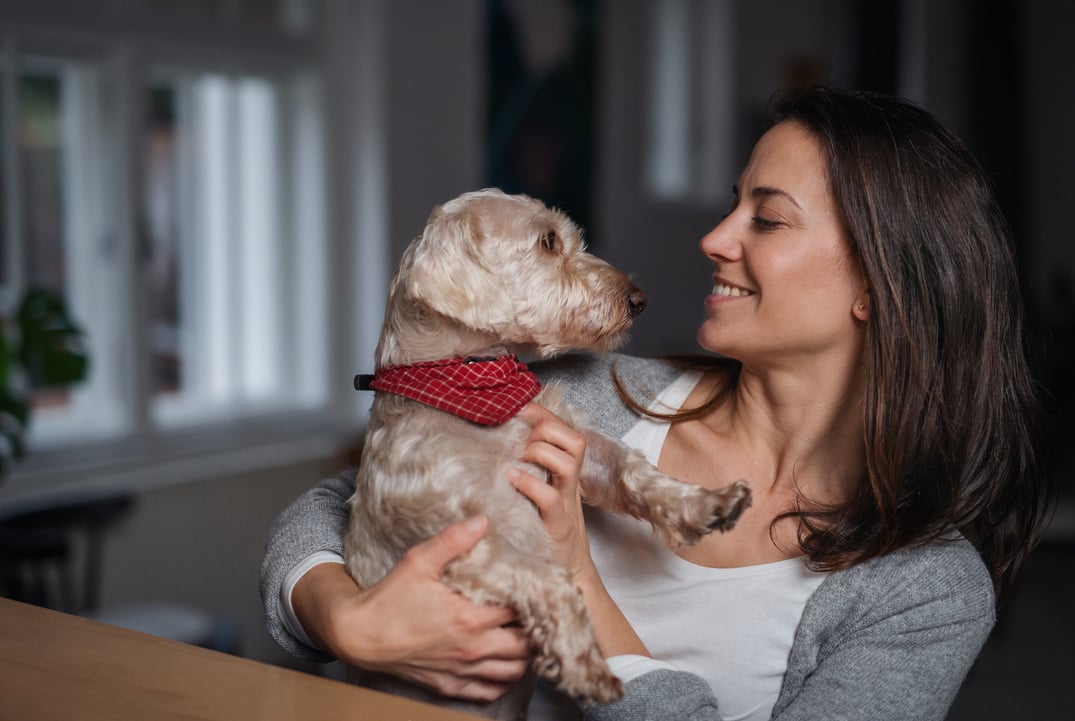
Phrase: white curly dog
{"type": "Point", "coordinates": [494, 275]}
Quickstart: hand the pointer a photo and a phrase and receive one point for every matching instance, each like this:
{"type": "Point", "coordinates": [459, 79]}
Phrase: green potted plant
{"type": "Point", "coordinates": [40, 347]}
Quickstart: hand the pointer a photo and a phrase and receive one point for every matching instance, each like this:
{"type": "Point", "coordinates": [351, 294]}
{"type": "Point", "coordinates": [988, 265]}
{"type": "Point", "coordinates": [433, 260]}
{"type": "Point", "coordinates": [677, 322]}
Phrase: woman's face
{"type": "Point", "coordinates": [785, 285]}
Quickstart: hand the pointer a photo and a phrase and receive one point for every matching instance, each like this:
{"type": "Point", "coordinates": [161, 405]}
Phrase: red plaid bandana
{"type": "Point", "coordinates": [486, 391]}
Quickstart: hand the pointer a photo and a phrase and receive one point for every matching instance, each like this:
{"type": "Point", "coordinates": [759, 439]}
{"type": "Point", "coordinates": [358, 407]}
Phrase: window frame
{"type": "Point", "coordinates": [149, 453]}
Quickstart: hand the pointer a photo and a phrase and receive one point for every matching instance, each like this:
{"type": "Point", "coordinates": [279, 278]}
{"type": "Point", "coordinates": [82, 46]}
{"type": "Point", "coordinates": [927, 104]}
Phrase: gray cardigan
{"type": "Point", "coordinates": [888, 639]}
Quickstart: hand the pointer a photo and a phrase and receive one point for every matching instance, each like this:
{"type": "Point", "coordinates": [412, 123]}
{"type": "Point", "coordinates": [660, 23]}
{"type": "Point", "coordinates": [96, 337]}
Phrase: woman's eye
{"type": "Point", "coordinates": [764, 224]}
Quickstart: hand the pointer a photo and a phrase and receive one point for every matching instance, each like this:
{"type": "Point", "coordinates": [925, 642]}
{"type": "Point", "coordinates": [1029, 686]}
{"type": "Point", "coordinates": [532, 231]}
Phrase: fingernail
{"type": "Point", "coordinates": [474, 523]}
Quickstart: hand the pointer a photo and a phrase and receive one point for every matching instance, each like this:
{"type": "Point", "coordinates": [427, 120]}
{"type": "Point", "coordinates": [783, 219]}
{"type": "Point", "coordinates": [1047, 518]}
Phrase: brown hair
{"type": "Point", "coordinates": [951, 415]}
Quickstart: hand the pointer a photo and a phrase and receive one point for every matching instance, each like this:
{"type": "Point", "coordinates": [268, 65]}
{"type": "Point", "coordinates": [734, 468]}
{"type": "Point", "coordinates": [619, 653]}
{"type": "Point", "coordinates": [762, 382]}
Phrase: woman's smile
{"type": "Point", "coordinates": [724, 291]}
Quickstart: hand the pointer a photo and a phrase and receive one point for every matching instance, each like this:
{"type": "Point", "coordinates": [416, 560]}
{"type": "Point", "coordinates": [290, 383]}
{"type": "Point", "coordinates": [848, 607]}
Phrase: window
{"type": "Point", "coordinates": [692, 85]}
{"type": "Point", "coordinates": [174, 194]}
{"type": "Point", "coordinates": [214, 248]}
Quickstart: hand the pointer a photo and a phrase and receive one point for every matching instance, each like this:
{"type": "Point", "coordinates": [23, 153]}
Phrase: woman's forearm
{"type": "Point", "coordinates": [615, 635]}
{"type": "Point", "coordinates": [317, 598]}
{"type": "Point", "coordinates": [411, 625]}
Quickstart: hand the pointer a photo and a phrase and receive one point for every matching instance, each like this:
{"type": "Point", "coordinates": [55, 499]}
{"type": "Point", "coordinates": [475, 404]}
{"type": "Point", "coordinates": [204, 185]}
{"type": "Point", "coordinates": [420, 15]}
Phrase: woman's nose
{"type": "Point", "coordinates": [721, 243]}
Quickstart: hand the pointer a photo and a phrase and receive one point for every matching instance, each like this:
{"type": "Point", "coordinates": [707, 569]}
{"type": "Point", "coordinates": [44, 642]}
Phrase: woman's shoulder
{"type": "Point", "coordinates": [592, 368]}
{"type": "Point", "coordinates": [589, 383]}
{"type": "Point", "coordinates": [945, 578]}
{"type": "Point", "coordinates": [950, 563]}
{"type": "Point", "coordinates": [901, 620]}
{"type": "Point", "coordinates": [585, 376]}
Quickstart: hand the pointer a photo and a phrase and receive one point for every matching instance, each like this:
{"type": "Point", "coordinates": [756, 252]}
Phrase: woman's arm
{"type": "Point", "coordinates": [559, 448]}
{"type": "Point", "coordinates": [411, 625]}
{"type": "Point", "coordinates": [890, 639]}
{"type": "Point", "coordinates": [659, 694]}
{"type": "Point", "coordinates": [913, 674]}
{"type": "Point", "coordinates": [408, 624]}
{"type": "Point", "coordinates": [884, 674]}
{"type": "Point", "coordinates": [314, 523]}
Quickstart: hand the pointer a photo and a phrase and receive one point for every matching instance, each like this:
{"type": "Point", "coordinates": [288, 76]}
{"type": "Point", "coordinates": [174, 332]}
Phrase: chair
{"type": "Point", "coordinates": [51, 555]}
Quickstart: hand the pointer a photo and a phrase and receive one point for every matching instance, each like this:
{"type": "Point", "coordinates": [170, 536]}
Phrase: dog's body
{"type": "Point", "coordinates": [494, 274]}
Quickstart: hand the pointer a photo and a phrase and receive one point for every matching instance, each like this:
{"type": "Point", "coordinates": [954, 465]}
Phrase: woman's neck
{"type": "Point", "coordinates": [802, 427]}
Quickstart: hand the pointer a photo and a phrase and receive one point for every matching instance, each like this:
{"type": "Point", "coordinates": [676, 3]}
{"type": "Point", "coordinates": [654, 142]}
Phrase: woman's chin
{"type": "Point", "coordinates": [718, 343]}
{"type": "Point", "coordinates": [710, 339]}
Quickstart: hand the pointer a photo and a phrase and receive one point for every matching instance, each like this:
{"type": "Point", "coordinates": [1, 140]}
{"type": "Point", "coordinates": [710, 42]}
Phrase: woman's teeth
{"type": "Point", "coordinates": [727, 290]}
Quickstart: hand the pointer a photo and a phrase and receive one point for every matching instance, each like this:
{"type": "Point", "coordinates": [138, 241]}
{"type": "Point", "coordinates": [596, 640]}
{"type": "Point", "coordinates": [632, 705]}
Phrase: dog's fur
{"type": "Point", "coordinates": [494, 273]}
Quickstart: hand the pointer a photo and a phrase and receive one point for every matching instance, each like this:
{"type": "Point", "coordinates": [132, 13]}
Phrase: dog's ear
{"type": "Point", "coordinates": [447, 274]}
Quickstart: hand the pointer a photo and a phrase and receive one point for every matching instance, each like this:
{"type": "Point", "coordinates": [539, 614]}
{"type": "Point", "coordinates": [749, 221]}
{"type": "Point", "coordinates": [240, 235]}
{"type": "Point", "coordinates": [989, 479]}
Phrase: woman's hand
{"type": "Point", "coordinates": [559, 448]}
{"type": "Point", "coordinates": [411, 625]}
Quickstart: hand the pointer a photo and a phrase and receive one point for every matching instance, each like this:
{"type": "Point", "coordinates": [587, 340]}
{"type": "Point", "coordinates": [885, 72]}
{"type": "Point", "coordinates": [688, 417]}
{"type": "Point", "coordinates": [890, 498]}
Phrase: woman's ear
{"type": "Point", "coordinates": [861, 308]}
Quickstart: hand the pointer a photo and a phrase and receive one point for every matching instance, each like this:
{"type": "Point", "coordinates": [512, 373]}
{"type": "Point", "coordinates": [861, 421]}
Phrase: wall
{"type": "Point", "coordinates": [1050, 142]}
{"type": "Point", "coordinates": [200, 543]}
{"type": "Point", "coordinates": [657, 239]}
{"type": "Point", "coordinates": [434, 94]}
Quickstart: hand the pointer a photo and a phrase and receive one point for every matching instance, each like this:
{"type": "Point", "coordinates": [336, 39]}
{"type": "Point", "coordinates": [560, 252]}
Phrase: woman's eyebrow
{"type": "Point", "coordinates": [763, 191]}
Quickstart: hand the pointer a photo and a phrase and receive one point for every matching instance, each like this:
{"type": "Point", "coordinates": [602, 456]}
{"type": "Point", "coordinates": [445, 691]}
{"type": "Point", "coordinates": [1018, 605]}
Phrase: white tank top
{"type": "Point", "coordinates": [732, 626]}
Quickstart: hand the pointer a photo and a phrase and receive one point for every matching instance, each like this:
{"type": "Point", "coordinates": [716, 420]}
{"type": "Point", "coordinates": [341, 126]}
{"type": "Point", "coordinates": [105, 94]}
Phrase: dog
{"type": "Point", "coordinates": [491, 276]}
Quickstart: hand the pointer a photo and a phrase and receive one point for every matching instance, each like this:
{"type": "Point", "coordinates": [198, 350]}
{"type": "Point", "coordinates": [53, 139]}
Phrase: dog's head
{"type": "Point", "coordinates": [510, 267]}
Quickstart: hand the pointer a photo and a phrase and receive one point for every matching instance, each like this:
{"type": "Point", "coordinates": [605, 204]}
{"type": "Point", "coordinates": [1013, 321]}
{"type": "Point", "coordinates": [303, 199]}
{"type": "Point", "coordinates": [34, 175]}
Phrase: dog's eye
{"type": "Point", "coordinates": [551, 241]}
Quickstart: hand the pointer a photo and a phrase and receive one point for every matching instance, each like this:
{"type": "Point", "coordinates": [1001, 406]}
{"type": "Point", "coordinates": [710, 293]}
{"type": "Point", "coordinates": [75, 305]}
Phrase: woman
{"type": "Point", "coordinates": [872, 389]}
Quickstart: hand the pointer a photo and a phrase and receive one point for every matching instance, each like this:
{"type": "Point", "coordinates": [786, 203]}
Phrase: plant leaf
{"type": "Point", "coordinates": [52, 349]}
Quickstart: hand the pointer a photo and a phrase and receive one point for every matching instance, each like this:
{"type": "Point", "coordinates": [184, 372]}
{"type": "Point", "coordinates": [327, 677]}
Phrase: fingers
{"type": "Point", "coordinates": [550, 428]}
{"type": "Point", "coordinates": [499, 659]}
{"type": "Point", "coordinates": [553, 445]}
{"type": "Point", "coordinates": [560, 449]}
{"type": "Point", "coordinates": [454, 541]}
{"type": "Point", "coordinates": [534, 412]}
{"type": "Point", "coordinates": [472, 689]}
{"type": "Point", "coordinates": [500, 648]}
{"type": "Point", "coordinates": [495, 670]}
{"type": "Point", "coordinates": [488, 616]}
{"type": "Point", "coordinates": [484, 622]}
{"type": "Point", "coordinates": [411, 624]}
{"type": "Point", "coordinates": [482, 670]}
{"type": "Point", "coordinates": [540, 493]}
{"type": "Point", "coordinates": [483, 681]}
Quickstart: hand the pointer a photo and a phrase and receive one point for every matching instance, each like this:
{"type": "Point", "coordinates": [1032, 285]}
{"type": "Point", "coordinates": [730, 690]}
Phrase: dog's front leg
{"type": "Point", "coordinates": [618, 478]}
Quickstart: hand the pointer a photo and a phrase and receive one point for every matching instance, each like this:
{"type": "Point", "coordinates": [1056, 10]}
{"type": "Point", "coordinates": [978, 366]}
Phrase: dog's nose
{"type": "Point", "coordinates": [636, 301]}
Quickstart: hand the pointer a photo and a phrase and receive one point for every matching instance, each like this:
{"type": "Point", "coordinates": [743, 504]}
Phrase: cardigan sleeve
{"type": "Point", "coordinates": [314, 522]}
{"type": "Point", "coordinates": [658, 696]}
{"type": "Point", "coordinates": [887, 640]}
{"type": "Point", "coordinates": [892, 638]}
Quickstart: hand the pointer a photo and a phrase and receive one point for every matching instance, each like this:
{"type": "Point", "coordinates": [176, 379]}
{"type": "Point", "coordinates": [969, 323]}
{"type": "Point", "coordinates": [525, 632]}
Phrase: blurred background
{"type": "Point", "coordinates": [210, 197]}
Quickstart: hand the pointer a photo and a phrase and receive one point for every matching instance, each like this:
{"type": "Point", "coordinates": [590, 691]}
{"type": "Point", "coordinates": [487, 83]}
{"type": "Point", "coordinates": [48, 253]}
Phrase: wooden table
{"type": "Point", "coordinates": [54, 666]}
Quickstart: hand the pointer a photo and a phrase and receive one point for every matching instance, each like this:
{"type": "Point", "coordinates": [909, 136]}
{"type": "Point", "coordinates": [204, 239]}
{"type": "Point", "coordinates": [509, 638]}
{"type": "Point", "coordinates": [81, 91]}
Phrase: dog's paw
{"type": "Point", "coordinates": [728, 504]}
{"type": "Point", "coordinates": [588, 681]}
{"type": "Point", "coordinates": [586, 677]}
{"type": "Point", "coordinates": [712, 509]}
{"type": "Point", "coordinates": [608, 689]}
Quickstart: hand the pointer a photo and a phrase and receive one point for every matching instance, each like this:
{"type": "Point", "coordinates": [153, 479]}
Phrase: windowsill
{"type": "Point", "coordinates": [176, 457]}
